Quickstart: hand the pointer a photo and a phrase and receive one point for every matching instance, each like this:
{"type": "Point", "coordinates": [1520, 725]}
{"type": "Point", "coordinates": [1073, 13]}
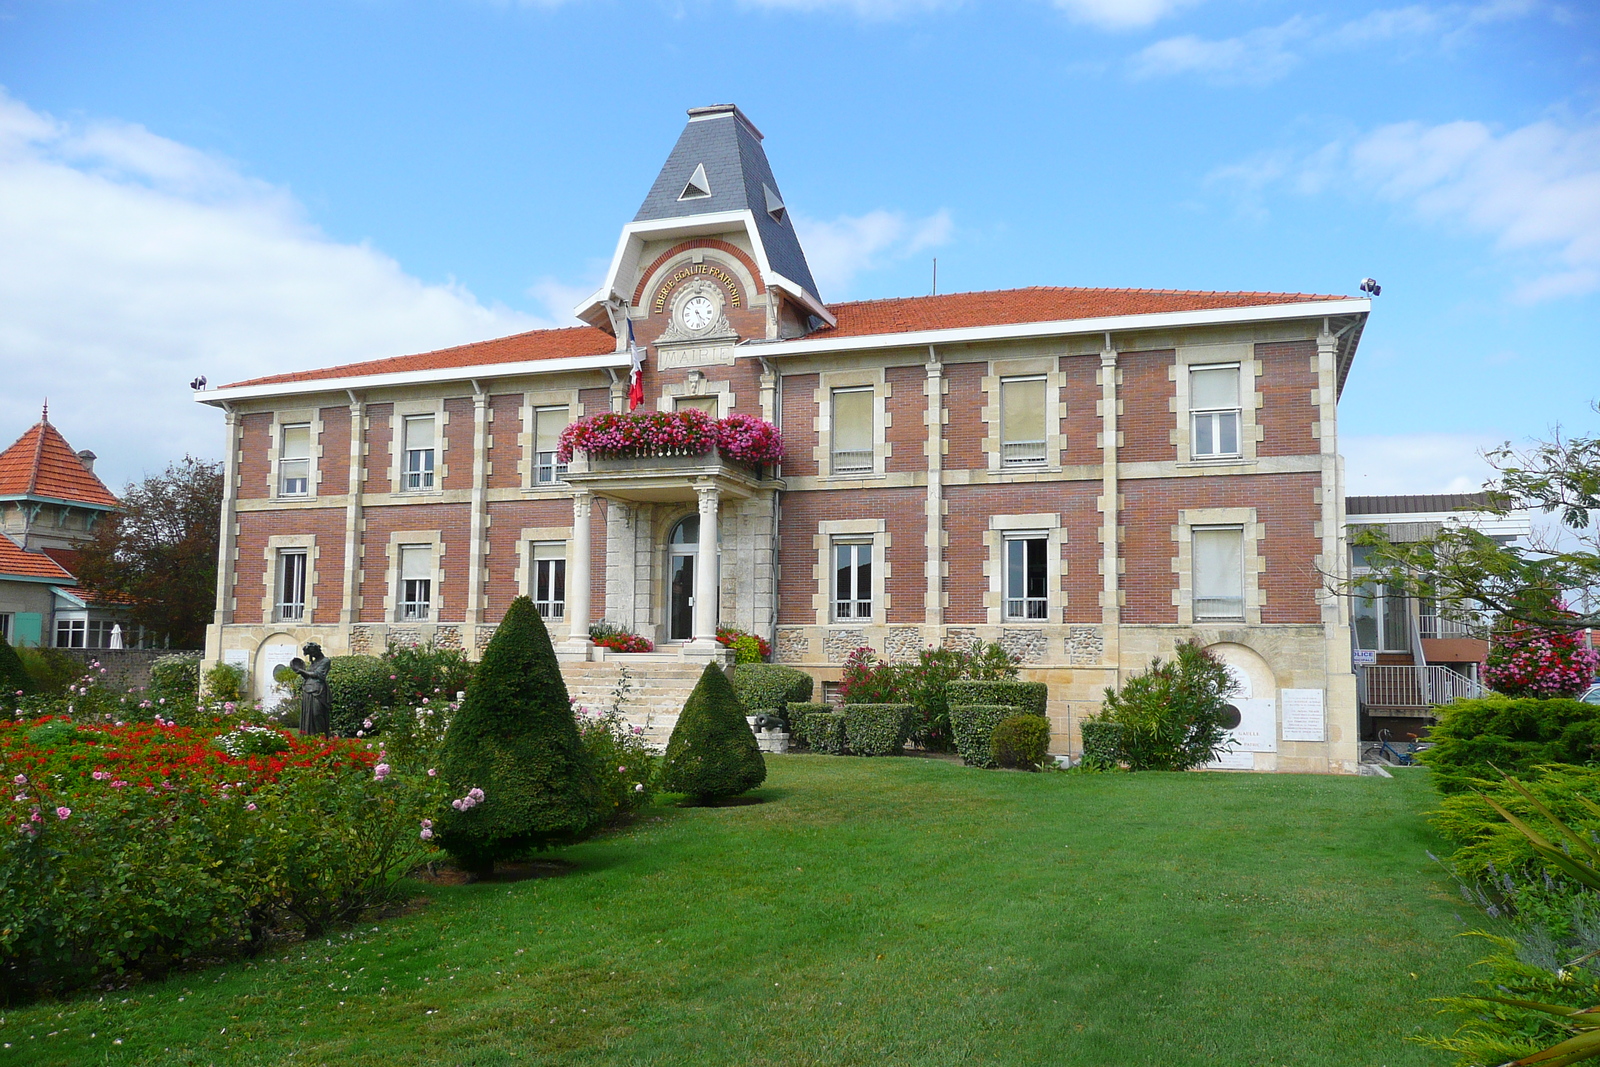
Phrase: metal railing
{"type": "Point", "coordinates": [1437, 626]}
{"type": "Point", "coordinates": [1022, 453]}
{"type": "Point", "coordinates": [1414, 687]}
{"type": "Point", "coordinates": [1032, 607]}
{"type": "Point", "coordinates": [852, 461]}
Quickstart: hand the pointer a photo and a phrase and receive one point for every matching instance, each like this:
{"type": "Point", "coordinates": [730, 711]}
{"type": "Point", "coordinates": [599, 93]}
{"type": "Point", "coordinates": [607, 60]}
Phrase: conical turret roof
{"type": "Point", "coordinates": [42, 465]}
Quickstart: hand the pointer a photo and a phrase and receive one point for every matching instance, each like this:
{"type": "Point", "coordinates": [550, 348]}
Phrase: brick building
{"type": "Point", "coordinates": [1087, 475]}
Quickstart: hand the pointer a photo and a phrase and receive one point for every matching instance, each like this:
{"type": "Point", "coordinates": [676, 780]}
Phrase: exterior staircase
{"type": "Point", "coordinates": [658, 686]}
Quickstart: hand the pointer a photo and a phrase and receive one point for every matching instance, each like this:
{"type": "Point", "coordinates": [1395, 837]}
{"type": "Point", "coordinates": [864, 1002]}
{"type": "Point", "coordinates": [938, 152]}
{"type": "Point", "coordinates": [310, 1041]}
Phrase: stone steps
{"type": "Point", "coordinates": [658, 689]}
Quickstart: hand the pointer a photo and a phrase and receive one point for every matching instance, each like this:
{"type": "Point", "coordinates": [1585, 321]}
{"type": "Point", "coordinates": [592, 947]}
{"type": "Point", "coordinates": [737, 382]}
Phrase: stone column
{"type": "Point", "coordinates": [578, 580]}
{"type": "Point", "coordinates": [933, 539]}
{"type": "Point", "coordinates": [230, 522]}
{"type": "Point", "coordinates": [350, 610]}
{"type": "Point", "coordinates": [478, 548]}
{"type": "Point", "coordinates": [705, 570]}
{"type": "Point", "coordinates": [1109, 504]}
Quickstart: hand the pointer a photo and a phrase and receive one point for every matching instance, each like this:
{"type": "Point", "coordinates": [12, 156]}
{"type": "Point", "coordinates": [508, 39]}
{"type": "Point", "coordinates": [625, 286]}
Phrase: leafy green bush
{"type": "Point", "coordinates": [1029, 698]}
{"type": "Point", "coordinates": [877, 729]}
{"type": "Point", "coordinates": [15, 680]}
{"type": "Point", "coordinates": [819, 726]}
{"type": "Point", "coordinates": [712, 752]}
{"type": "Point", "coordinates": [174, 681]}
{"type": "Point", "coordinates": [974, 726]}
{"type": "Point", "coordinates": [868, 680]}
{"type": "Point", "coordinates": [52, 670]}
{"type": "Point", "coordinates": [224, 681]}
{"type": "Point", "coordinates": [1488, 847]}
{"type": "Point", "coordinates": [243, 742]}
{"type": "Point", "coordinates": [358, 686]}
{"type": "Point", "coordinates": [424, 675]}
{"type": "Point", "coordinates": [1102, 745]}
{"type": "Point", "coordinates": [1171, 713]}
{"type": "Point", "coordinates": [1515, 735]}
{"type": "Point", "coordinates": [515, 739]}
{"type": "Point", "coordinates": [1020, 741]}
{"type": "Point", "coordinates": [771, 685]}
{"type": "Point", "coordinates": [623, 764]}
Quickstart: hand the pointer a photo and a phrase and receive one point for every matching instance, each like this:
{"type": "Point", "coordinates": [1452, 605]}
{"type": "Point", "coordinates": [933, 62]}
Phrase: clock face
{"type": "Point", "coordinates": [698, 312]}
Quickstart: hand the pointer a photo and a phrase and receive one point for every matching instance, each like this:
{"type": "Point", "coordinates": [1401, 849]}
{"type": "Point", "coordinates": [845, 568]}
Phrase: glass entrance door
{"type": "Point", "coordinates": [681, 549]}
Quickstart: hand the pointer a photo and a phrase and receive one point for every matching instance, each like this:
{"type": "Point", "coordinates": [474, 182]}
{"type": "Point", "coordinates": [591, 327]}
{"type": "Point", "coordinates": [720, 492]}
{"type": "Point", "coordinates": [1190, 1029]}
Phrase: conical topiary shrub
{"type": "Point", "coordinates": [712, 753]}
{"type": "Point", "coordinates": [14, 677]}
{"type": "Point", "coordinates": [515, 739]}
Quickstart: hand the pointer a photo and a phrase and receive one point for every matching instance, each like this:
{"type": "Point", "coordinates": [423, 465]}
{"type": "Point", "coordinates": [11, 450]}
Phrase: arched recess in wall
{"type": "Point", "coordinates": [272, 653]}
{"type": "Point", "coordinates": [1256, 699]}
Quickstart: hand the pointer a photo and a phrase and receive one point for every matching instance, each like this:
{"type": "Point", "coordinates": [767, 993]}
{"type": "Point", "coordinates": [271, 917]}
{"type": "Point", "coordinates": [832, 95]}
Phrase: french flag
{"type": "Point", "coordinates": [636, 375]}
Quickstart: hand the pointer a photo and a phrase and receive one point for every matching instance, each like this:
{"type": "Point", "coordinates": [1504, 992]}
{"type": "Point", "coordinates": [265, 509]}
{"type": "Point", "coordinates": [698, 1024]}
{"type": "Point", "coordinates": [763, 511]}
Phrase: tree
{"type": "Point", "coordinates": [1466, 571]}
{"type": "Point", "coordinates": [515, 740]}
{"type": "Point", "coordinates": [712, 752]}
{"type": "Point", "coordinates": [159, 554]}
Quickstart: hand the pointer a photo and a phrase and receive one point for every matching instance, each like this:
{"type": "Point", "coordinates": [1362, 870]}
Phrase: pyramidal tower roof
{"type": "Point", "coordinates": [718, 165]}
{"type": "Point", "coordinates": [40, 464]}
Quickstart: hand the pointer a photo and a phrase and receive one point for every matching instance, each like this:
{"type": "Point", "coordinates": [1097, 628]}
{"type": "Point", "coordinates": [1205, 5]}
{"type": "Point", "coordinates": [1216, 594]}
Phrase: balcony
{"type": "Point", "coordinates": [661, 479]}
{"type": "Point", "coordinates": [1418, 688]}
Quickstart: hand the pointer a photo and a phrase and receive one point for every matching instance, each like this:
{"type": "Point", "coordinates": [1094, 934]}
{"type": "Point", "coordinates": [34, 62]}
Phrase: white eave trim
{"type": "Point", "coordinates": [1067, 327]}
{"type": "Point", "coordinates": [414, 377]}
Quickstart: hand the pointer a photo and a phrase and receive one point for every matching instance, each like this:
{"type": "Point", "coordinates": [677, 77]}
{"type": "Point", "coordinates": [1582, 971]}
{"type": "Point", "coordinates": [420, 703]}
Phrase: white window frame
{"type": "Point", "coordinates": [546, 471]}
{"type": "Point", "coordinates": [78, 625]}
{"type": "Point", "coordinates": [1020, 606]}
{"type": "Point", "coordinates": [419, 466]}
{"type": "Point", "coordinates": [1030, 453]}
{"type": "Point", "coordinates": [547, 569]}
{"type": "Point", "coordinates": [414, 596]}
{"type": "Point", "coordinates": [1242, 599]}
{"type": "Point", "coordinates": [284, 461]}
{"type": "Point", "coordinates": [860, 553]}
{"type": "Point", "coordinates": [6, 626]}
{"type": "Point", "coordinates": [1214, 417]}
{"type": "Point", "coordinates": [855, 467]}
{"type": "Point", "coordinates": [285, 609]}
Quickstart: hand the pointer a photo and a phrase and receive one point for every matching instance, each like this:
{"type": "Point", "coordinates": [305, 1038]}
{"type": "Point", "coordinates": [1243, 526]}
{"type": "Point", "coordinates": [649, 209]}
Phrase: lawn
{"type": "Point", "coordinates": [899, 911]}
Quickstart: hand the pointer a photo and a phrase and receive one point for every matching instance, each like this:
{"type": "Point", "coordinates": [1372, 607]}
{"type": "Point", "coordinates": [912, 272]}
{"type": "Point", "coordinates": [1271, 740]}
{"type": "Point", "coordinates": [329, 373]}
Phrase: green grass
{"type": "Point", "coordinates": [898, 911]}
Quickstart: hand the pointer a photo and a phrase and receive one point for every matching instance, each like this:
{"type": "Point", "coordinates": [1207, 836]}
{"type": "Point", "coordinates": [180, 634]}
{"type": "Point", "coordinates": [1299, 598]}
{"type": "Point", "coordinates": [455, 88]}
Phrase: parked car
{"type": "Point", "coordinates": [1591, 695]}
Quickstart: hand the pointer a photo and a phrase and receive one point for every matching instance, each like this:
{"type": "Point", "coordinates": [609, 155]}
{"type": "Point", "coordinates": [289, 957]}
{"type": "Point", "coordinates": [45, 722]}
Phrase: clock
{"type": "Point", "coordinates": [697, 313]}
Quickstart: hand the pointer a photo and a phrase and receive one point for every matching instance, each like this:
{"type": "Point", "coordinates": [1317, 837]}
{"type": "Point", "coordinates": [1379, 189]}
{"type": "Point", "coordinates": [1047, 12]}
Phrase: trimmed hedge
{"type": "Point", "coordinates": [877, 729]}
{"type": "Point", "coordinates": [516, 739]}
{"type": "Point", "coordinates": [1514, 735]}
{"type": "Point", "coordinates": [1020, 741]}
{"type": "Point", "coordinates": [1102, 744]}
{"type": "Point", "coordinates": [14, 677]}
{"type": "Point", "coordinates": [1027, 697]}
{"type": "Point", "coordinates": [712, 752]}
{"type": "Point", "coordinates": [974, 725]}
{"type": "Point", "coordinates": [820, 726]}
{"type": "Point", "coordinates": [771, 685]}
{"type": "Point", "coordinates": [358, 687]}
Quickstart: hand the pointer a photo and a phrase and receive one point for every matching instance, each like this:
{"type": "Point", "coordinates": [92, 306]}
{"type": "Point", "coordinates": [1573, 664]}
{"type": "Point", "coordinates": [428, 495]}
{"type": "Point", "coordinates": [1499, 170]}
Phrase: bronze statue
{"type": "Point", "coordinates": [316, 702]}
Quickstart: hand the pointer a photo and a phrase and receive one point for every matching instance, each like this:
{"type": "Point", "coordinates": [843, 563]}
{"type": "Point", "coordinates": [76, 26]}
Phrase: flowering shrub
{"type": "Point", "coordinates": [617, 639]}
{"type": "Point", "coordinates": [135, 847]}
{"type": "Point", "coordinates": [747, 647]}
{"type": "Point", "coordinates": [1531, 661]}
{"type": "Point", "coordinates": [689, 432]}
{"type": "Point", "coordinates": [243, 741]}
{"type": "Point", "coordinates": [869, 680]}
{"type": "Point", "coordinates": [622, 761]}
{"type": "Point", "coordinates": [747, 438]}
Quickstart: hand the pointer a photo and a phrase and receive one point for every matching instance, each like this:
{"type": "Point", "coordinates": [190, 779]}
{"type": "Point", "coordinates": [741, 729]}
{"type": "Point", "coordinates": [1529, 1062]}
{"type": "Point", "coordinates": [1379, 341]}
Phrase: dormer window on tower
{"type": "Point", "coordinates": [698, 185]}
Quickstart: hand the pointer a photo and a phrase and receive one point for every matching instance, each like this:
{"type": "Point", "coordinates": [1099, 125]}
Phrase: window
{"type": "Point", "coordinates": [86, 633]}
{"type": "Point", "coordinates": [852, 430]}
{"type": "Point", "coordinates": [1022, 421]}
{"type": "Point", "coordinates": [418, 471]}
{"type": "Point", "coordinates": [5, 627]}
{"type": "Point", "coordinates": [416, 581]}
{"type": "Point", "coordinates": [547, 426]}
{"type": "Point", "coordinates": [550, 579]}
{"type": "Point", "coordinates": [291, 586]}
{"type": "Point", "coordinates": [1218, 573]}
{"type": "Point", "coordinates": [1214, 408]}
{"type": "Point", "coordinates": [1027, 578]}
{"type": "Point", "coordinates": [852, 580]}
{"type": "Point", "coordinates": [1382, 618]}
{"type": "Point", "coordinates": [294, 460]}
{"type": "Point", "coordinates": [707, 404]}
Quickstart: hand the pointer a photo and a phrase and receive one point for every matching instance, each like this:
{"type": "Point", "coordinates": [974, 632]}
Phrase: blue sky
{"type": "Point", "coordinates": [235, 189]}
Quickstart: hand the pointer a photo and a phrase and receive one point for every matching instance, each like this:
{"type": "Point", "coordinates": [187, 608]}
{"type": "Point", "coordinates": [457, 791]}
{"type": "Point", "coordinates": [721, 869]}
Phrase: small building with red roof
{"type": "Point", "coordinates": [50, 502]}
{"type": "Point", "coordinates": [1086, 476]}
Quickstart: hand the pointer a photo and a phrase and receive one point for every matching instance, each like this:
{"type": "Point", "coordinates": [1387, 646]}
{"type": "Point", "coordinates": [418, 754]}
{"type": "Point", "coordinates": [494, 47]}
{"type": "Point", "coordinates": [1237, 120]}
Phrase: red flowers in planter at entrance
{"type": "Point", "coordinates": [690, 432]}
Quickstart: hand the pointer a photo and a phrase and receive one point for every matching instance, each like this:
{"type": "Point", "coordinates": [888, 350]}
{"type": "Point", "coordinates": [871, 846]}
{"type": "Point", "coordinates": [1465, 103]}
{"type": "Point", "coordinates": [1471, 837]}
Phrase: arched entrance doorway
{"type": "Point", "coordinates": [682, 547]}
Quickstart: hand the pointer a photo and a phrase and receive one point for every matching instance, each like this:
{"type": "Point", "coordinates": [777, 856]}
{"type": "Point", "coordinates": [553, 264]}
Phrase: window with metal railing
{"type": "Point", "coordinates": [417, 472]}
{"type": "Point", "coordinates": [416, 582]}
{"type": "Point", "coordinates": [1214, 411]}
{"type": "Point", "coordinates": [1022, 421]}
{"type": "Point", "coordinates": [550, 579]}
{"type": "Point", "coordinates": [852, 430]}
{"type": "Point", "coordinates": [1027, 581]}
{"type": "Point", "coordinates": [1218, 574]}
{"type": "Point", "coordinates": [294, 460]}
{"type": "Point", "coordinates": [291, 586]}
{"type": "Point", "coordinates": [548, 422]}
{"type": "Point", "coordinates": [852, 580]}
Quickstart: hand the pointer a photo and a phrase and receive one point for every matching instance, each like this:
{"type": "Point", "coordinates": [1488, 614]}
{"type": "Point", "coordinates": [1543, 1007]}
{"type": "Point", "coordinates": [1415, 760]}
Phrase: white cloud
{"type": "Point", "coordinates": [873, 10]}
{"type": "Point", "coordinates": [558, 298]}
{"type": "Point", "coordinates": [1260, 56]}
{"type": "Point", "coordinates": [1395, 464]}
{"type": "Point", "coordinates": [1104, 14]}
{"type": "Point", "coordinates": [840, 249]}
{"type": "Point", "coordinates": [130, 263]}
{"type": "Point", "coordinates": [1121, 14]}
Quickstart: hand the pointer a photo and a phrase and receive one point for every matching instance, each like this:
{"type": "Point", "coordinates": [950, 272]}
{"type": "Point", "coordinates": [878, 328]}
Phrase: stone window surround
{"type": "Point", "coordinates": [1055, 380]}
{"type": "Point", "coordinates": [1183, 561]}
{"type": "Point", "coordinates": [531, 402]}
{"type": "Point", "coordinates": [404, 409]}
{"type": "Point", "coordinates": [276, 544]}
{"type": "Point", "coordinates": [855, 378]}
{"type": "Point", "coordinates": [695, 384]}
{"type": "Point", "coordinates": [526, 538]}
{"type": "Point", "coordinates": [295, 417]}
{"type": "Point", "coordinates": [1191, 357]}
{"type": "Point", "coordinates": [994, 564]}
{"type": "Point", "coordinates": [391, 576]}
{"type": "Point", "coordinates": [851, 529]}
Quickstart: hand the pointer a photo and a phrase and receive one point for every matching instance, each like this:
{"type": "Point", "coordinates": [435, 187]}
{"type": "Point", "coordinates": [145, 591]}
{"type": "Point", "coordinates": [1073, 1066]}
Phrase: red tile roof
{"type": "Point", "coordinates": [14, 561]}
{"type": "Point", "coordinates": [860, 319]}
{"type": "Point", "coordinates": [41, 463]}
